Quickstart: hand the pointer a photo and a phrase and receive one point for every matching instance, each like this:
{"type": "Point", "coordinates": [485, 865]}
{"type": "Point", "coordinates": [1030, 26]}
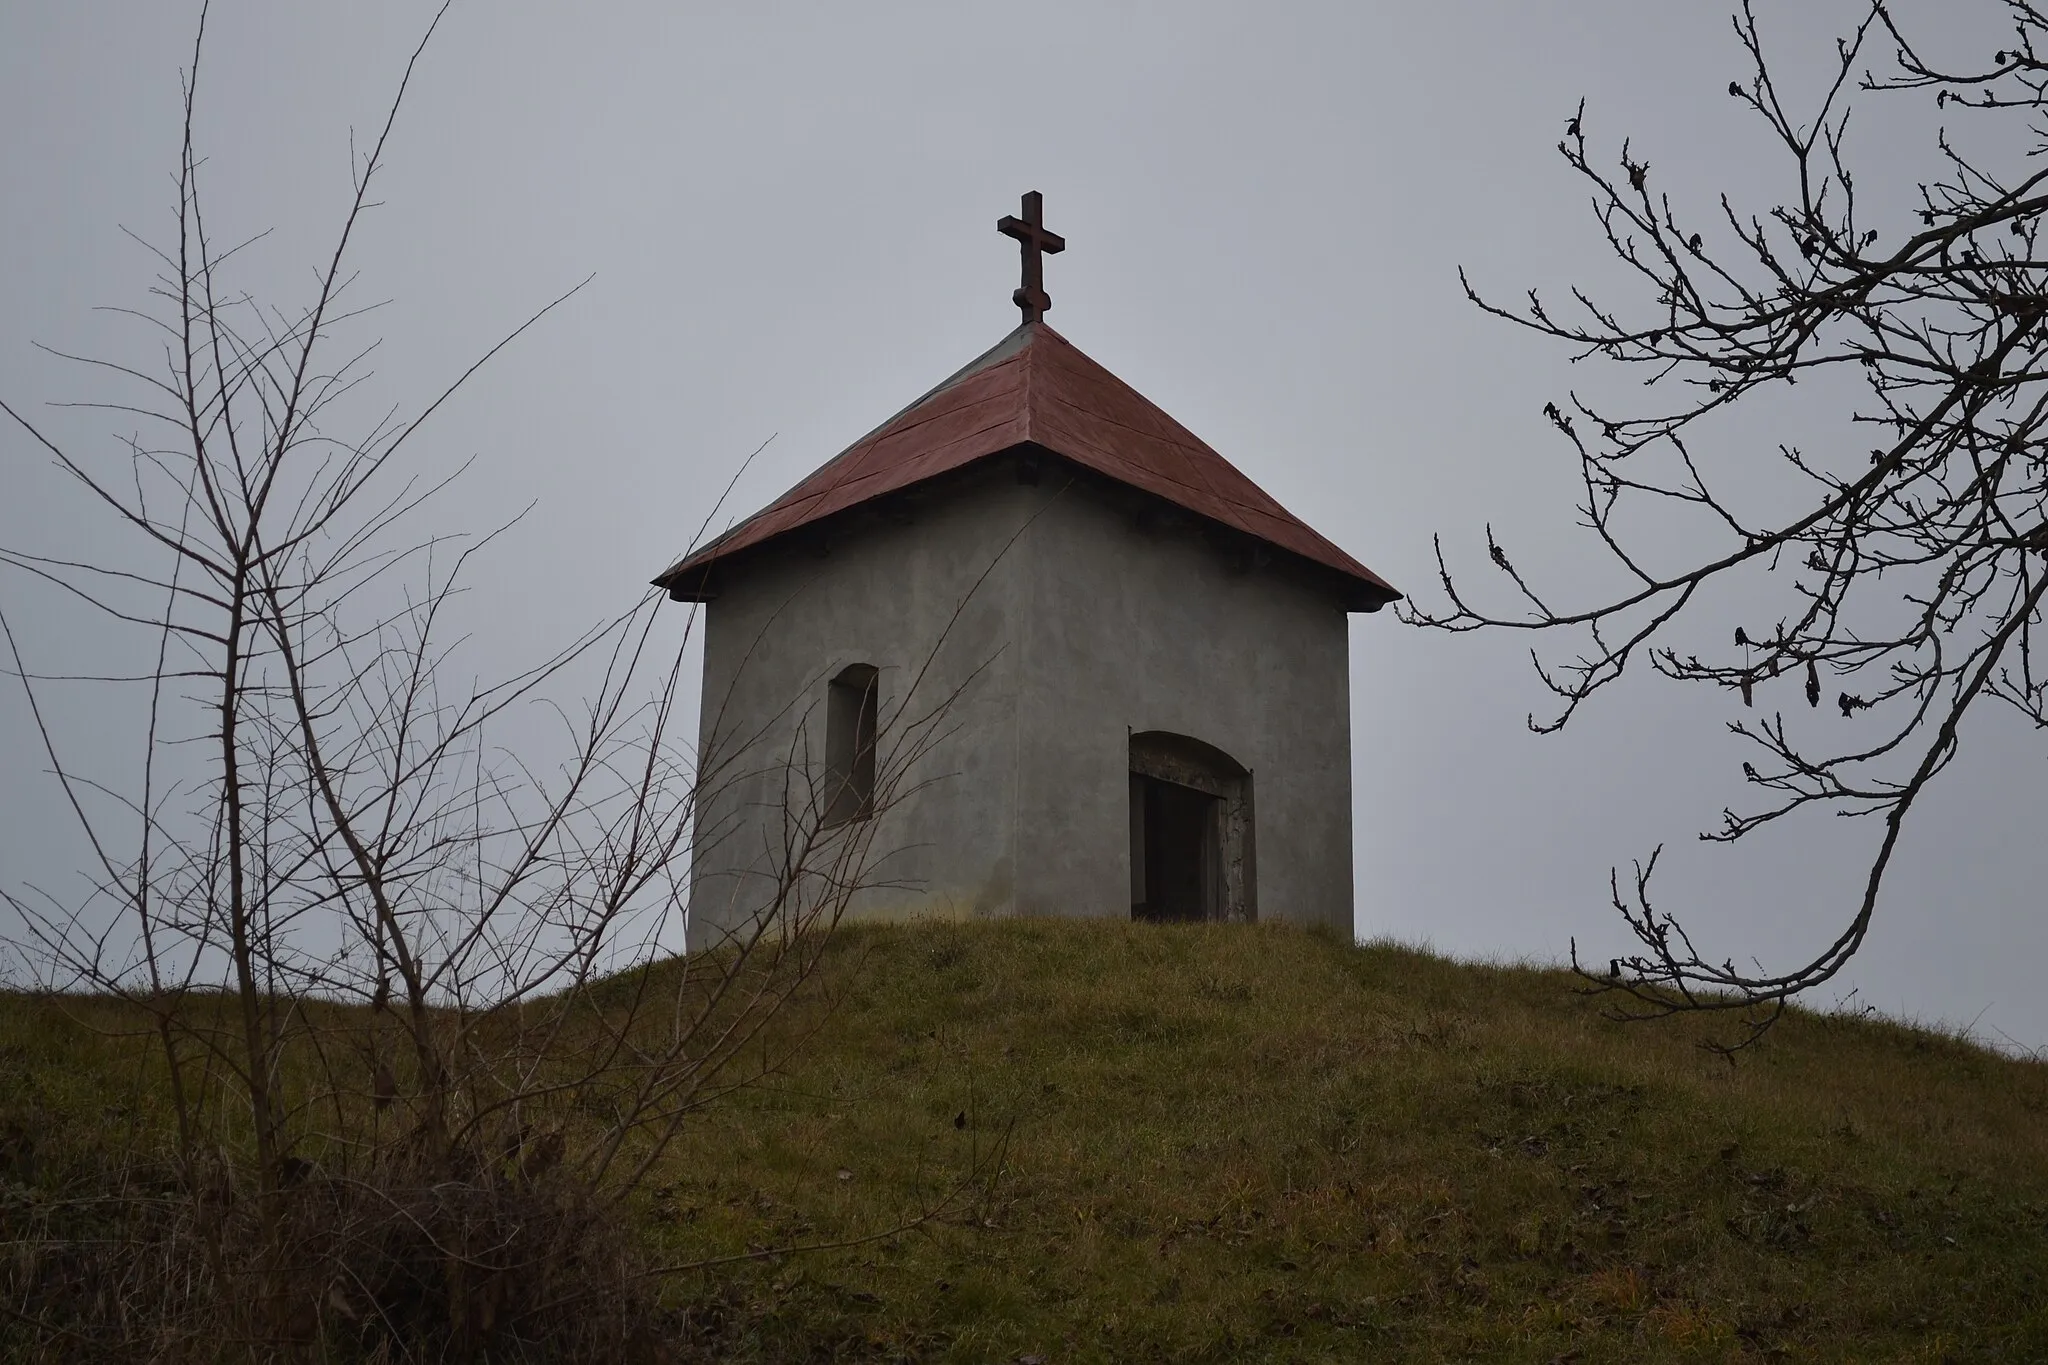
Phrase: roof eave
{"type": "Point", "coordinates": [695, 577]}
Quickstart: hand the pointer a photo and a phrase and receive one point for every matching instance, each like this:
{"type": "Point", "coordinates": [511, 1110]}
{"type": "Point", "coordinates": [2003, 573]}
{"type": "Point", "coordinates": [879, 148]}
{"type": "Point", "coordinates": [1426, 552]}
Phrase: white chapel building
{"type": "Point", "coordinates": [1028, 648]}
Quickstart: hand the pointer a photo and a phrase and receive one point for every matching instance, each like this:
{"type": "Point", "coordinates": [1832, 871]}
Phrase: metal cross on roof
{"type": "Point", "coordinates": [1036, 243]}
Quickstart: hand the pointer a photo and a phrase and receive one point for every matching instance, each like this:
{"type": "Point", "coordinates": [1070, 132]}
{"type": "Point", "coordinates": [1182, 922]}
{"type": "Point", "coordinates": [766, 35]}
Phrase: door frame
{"type": "Point", "coordinates": [1189, 762]}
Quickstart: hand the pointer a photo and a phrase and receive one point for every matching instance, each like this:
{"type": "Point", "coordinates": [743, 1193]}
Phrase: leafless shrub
{"type": "Point", "coordinates": [1910, 559]}
{"type": "Point", "coordinates": [405, 987]}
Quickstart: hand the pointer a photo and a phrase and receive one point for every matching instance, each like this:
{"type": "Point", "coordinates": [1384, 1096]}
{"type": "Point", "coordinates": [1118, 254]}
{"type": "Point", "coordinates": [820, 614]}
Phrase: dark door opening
{"type": "Point", "coordinates": [1176, 834]}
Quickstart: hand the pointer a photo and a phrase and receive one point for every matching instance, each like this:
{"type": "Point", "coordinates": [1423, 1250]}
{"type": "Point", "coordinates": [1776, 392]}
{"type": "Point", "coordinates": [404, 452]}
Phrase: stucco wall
{"type": "Point", "coordinates": [1095, 623]}
{"type": "Point", "coordinates": [1129, 629]}
{"type": "Point", "coordinates": [930, 595]}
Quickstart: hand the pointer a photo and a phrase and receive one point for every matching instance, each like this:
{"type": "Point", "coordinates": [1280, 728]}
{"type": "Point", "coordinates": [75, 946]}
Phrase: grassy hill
{"type": "Point", "coordinates": [1215, 1143]}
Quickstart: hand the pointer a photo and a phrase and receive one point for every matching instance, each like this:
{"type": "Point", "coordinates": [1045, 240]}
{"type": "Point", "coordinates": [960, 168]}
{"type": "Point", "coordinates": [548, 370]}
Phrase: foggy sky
{"type": "Point", "coordinates": [789, 212]}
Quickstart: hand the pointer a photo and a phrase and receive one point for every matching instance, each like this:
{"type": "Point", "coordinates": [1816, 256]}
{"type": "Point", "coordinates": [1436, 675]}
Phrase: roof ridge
{"type": "Point", "coordinates": [1031, 363]}
{"type": "Point", "coordinates": [855, 448]}
{"type": "Point", "coordinates": [975, 366]}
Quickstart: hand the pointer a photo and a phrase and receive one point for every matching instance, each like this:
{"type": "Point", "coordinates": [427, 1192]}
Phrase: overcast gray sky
{"type": "Point", "coordinates": [789, 211]}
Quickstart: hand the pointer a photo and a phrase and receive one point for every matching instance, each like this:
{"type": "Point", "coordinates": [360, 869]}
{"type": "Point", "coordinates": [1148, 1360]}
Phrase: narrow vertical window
{"type": "Point", "coordinates": [850, 745]}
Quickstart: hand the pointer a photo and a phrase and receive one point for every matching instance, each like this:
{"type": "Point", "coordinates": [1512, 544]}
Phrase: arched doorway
{"type": "Point", "coordinates": [1191, 831]}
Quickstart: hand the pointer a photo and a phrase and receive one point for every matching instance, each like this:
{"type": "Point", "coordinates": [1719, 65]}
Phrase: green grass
{"type": "Point", "coordinates": [1229, 1144]}
{"type": "Point", "coordinates": [1233, 1144]}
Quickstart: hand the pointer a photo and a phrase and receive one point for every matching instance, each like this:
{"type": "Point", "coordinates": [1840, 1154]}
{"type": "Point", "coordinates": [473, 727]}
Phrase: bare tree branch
{"type": "Point", "coordinates": [1913, 562]}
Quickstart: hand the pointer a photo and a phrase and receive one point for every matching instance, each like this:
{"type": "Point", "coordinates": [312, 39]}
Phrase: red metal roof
{"type": "Point", "coordinates": [1037, 387]}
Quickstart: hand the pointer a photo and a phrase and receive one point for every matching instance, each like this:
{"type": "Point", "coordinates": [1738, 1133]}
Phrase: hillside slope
{"type": "Point", "coordinates": [1220, 1143]}
{"type": "Point", "coordinates": [1063, 1141]}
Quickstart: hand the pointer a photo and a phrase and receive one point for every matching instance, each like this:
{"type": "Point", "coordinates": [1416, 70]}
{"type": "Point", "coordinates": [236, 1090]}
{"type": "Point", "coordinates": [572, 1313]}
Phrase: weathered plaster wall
{"type": "Point", "coordinates": [1094, 624]}
{"type": "Point", "coordinates": [931, 595]}
{"type": "Point", "coordinates": [1129, 629]}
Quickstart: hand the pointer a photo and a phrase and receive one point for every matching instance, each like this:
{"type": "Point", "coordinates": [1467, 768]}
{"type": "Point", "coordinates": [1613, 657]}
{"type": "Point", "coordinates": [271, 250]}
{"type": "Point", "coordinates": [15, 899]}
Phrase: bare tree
{"type": "Point", "coordinates": [1906, 576]}
{"type": "Point", "coordinates": [406, 984]}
